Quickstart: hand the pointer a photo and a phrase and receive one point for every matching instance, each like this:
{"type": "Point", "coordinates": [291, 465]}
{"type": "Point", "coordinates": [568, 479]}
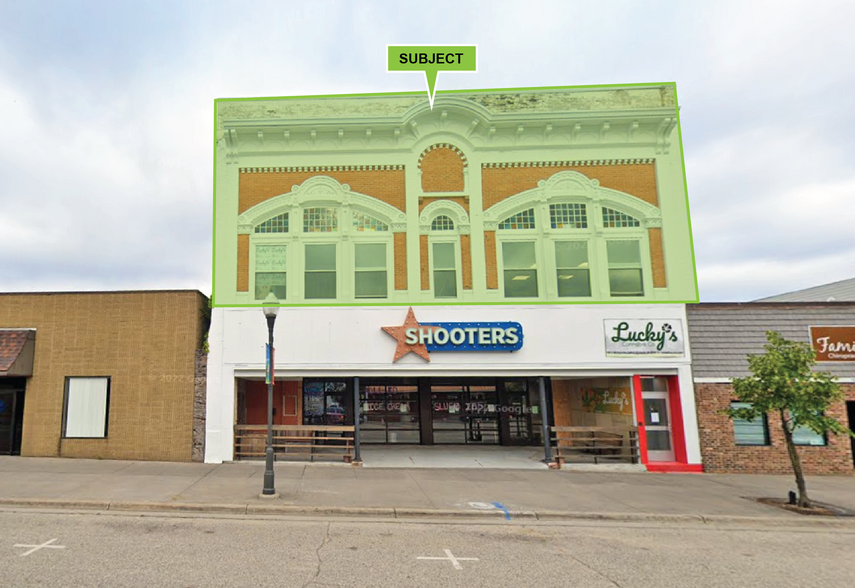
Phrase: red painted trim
{"type": "Point", "coordinates": [678, 432]}
{"type": "Point", "coordinates": [639, 417]}
{"type": "Point", "coordinates": [673, 467]}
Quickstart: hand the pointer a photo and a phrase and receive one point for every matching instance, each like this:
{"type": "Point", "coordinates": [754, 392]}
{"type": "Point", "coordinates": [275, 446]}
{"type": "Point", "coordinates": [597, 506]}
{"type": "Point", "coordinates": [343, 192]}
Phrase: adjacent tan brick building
{"type": "Point", "coordinates": [143, 344]}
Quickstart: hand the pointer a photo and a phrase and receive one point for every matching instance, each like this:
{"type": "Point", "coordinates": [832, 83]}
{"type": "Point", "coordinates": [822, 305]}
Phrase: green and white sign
{"type": "Point", "coordinates": [644, 337]}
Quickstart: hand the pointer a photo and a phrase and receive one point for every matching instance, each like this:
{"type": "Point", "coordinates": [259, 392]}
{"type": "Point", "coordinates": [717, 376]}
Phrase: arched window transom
{"type": "Point", "coordinates": [320, 220]}
{"type": "Point", "coordinates": [568, 215]}
{"type": "Point", "coordinates": [521, 220]}
{"type": "Point", "coordinates": [613, 219]}
{"type": "Point", "coordinates": [277, 224]}
{"type": "Point", "coordinates": [442, 223]}
{"type": "Point", "coordinates": [366, 222]}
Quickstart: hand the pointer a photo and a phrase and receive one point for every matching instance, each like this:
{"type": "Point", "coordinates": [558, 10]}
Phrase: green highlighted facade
{"type": "Point", "coordinates": [525, 196]}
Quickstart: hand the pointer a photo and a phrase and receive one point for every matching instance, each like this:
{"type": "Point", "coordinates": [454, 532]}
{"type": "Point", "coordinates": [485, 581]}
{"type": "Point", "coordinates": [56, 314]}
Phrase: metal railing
{"type": "Point", "coordinates": [295, 442]}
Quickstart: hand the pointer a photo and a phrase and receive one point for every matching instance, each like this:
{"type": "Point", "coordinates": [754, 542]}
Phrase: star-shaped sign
{"type": "Point", "coordinates": [400, 333]}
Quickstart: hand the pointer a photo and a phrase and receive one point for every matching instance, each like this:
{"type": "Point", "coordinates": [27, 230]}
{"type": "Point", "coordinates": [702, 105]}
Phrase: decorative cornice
{"type": "Point", "coordinates": [453, 148]}
{"type": "Point", "coordinates": [591, 162]}
{"type": "Point", "coordinates": [319, 168]}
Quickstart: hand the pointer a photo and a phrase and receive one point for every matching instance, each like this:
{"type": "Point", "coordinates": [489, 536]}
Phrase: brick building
{"type": "Point", "coordinates": [721, 336]}
{"type": "Point", "coordinates": [106, 375]}
{"type": "Point", "coordinates": [531, 207]}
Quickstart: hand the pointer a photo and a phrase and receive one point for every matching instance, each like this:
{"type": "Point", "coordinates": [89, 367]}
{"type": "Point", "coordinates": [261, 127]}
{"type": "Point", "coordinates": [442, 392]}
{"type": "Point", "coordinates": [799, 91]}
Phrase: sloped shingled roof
{"type": "Point", "coordinates": [721, 335]}
{"type": "Point", "coordinates": [11, 345]}
{"type": "Point", "coordinates": [843, 290]}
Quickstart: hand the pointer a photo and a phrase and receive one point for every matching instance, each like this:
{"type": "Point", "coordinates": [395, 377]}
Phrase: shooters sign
{"type": "Point", "coordinates": [423, 338]}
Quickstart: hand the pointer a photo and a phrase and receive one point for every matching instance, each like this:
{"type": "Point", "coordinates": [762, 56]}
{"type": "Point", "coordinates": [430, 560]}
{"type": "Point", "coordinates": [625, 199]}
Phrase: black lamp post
{"type": "Point", "coordinates": [270, 311]}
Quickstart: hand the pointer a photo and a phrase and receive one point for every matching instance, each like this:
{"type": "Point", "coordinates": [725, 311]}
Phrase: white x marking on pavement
{"type": "Point", "coordinates": [37, 547]}
{"type": "Point", "coordinates": [455, 561]}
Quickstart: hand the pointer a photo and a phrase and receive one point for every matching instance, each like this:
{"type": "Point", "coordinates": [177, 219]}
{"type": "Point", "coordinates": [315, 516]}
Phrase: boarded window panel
{"type": "Point", "coordinates": [86, 407]}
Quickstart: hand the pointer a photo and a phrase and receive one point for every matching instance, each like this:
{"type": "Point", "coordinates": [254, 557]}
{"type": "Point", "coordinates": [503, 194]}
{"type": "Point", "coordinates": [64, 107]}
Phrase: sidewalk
{"type": "Point", "coordinates": [345, 490]}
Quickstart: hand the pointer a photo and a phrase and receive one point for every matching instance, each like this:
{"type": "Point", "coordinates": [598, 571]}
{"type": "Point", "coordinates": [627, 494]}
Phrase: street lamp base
{"type": "Point", "coordinates": [275, 495]}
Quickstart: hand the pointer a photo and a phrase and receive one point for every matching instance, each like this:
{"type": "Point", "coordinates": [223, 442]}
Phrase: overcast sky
{"type": "Point", "coordinates": [107, 112]}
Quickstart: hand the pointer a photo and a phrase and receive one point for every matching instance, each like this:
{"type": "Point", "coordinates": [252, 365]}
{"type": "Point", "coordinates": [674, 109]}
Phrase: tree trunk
{"type": "Point", "coordinates": [804, 501]}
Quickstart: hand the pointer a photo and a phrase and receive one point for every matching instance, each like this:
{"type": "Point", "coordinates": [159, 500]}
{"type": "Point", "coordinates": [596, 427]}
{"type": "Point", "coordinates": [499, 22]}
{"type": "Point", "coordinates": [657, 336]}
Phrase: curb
{"type": "Point", "coordinates": [414, 513]}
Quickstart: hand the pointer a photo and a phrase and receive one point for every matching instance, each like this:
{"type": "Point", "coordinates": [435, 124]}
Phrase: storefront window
{"type": "Point", "coordinates": [324, 402]}
{"type": "Point", "coordinates": [389, 412]}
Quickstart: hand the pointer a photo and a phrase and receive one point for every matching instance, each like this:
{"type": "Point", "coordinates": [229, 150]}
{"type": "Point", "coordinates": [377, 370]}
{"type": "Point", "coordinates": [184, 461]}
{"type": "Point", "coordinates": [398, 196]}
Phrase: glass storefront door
{"type": "Point", "coordinates": [516, 411]}
{"type": "Point", "coordinates": [657, 419]}
{"type": "Point", "coordinates": [463, 414]}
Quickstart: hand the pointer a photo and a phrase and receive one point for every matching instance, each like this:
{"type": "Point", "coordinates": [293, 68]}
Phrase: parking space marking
{"type": "Point", "coordinates": [35, 548]}
{"type": "Point", "coordinates": [455, 561]}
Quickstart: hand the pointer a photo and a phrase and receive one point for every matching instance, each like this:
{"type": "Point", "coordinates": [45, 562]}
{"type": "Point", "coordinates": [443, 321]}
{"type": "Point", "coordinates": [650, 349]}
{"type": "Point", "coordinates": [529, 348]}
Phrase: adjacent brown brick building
{"type": "Point", "coordinates": [721, 336]}
{"type": "Point", "coordinates": [140, 347]}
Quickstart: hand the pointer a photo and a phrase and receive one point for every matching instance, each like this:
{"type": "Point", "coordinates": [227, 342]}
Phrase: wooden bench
{"type": "Point", "coordinates": [308, 441]}
{"type": "Point", "coordinates": [602, 443]}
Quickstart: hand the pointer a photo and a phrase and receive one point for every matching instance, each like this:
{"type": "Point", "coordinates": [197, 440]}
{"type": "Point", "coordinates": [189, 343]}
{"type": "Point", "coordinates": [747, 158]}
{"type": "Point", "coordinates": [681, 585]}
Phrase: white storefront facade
{"type": "Point", "coordinates": [573, 348]}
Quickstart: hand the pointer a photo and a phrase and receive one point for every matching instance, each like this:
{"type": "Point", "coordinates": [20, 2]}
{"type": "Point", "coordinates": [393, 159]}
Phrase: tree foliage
{"type": "Point", "coordinates": [782, 379]}
{"type": "Point", "coordinates": [782, 382]}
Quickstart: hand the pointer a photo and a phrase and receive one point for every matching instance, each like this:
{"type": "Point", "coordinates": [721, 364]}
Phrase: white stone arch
{"type": "Point", "coordinates": [572, 186]}
{"type": "Point", "coordinates": [321, 191]}
{"type": "Point", "coordinates": [449, 208]}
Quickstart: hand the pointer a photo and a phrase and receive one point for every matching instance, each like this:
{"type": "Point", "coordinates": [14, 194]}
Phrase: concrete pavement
{"type": "Point", "coordinates": [400, 492]}
{"type": "Point", "coordinates": [66, 549]}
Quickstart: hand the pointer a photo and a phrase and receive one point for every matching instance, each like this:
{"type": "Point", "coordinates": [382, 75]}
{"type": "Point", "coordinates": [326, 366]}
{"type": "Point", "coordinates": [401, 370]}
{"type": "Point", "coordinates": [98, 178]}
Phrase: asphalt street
{"type": "Point", "coordinates": [43, 548]}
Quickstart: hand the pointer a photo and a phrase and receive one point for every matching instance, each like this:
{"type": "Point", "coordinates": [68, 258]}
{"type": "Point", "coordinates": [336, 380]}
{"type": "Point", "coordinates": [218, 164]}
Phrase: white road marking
{"type": "Point", "coordinates": [455, 561]}
{"type": "Point", "coordinates": [37, 547]}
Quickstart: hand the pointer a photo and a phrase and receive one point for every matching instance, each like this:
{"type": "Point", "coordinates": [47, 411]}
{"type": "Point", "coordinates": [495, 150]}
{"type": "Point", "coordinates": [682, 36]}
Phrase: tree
{"type": "Point", "coordinates": [782, 382]}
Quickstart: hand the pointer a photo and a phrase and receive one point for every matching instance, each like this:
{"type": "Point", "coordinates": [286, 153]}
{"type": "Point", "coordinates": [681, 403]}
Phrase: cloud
{"type": "Point", "coordinates": [106, 160]}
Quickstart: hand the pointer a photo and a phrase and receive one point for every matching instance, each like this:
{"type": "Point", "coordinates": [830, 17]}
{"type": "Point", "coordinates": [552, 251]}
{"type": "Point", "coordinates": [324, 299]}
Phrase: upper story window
{"type": "Point", "coordinates": [442, 223]}
{"type": "Point", "coordinates": [568, 215]}
{"type": "Point", "coordinates": [586, 240]}
{"type": "Point", "coordinates": [320, 220]}
{"type": "Point", "coordinates": [522, 220]}
{"type": "Point", "coordinates": [277, 224]}
{"type": "Point", "coordinates": [612, 219]}
{"type": "Point", "coordinates": [625, 271]}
